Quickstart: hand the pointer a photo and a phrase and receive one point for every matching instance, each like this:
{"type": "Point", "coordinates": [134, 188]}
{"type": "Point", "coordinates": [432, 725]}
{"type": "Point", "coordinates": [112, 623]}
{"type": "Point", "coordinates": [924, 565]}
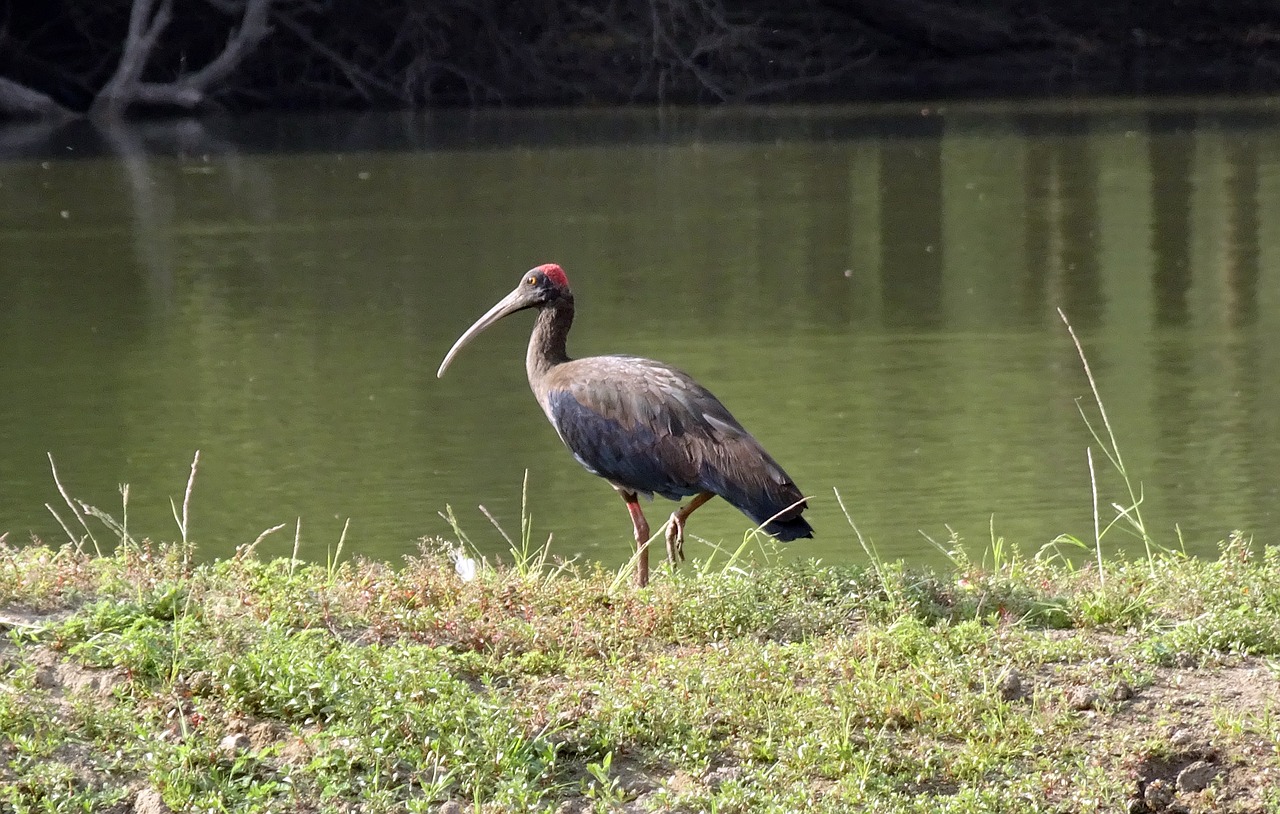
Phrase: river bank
{"type": "Point", "coordinates": [142, 681]}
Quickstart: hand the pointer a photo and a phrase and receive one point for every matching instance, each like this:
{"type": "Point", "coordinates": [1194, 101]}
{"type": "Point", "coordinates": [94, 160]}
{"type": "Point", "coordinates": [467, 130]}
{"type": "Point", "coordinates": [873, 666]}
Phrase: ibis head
{"type": "Point", "coordinates": [538, 288]}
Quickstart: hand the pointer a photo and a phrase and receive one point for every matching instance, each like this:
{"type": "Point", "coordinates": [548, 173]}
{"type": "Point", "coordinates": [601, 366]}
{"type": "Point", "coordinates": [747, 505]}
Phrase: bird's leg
{"type": "Point", "coordinates": [675, 526]}
{"type": "Point", "coordinates": [642, 538]}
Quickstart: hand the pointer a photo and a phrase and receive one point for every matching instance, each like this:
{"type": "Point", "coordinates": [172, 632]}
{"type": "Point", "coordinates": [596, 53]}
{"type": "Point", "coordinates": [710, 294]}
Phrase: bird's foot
{"type": "Point", "coordinates": [675, 539]}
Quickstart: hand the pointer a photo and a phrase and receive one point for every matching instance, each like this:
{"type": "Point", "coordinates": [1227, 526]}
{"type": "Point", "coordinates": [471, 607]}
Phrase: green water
{"type": "Point", "coordinates": [871, 291]}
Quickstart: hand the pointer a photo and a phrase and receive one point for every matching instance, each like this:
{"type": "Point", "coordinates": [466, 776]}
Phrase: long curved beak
{"type": "Point", "coordinates": [515, 301]}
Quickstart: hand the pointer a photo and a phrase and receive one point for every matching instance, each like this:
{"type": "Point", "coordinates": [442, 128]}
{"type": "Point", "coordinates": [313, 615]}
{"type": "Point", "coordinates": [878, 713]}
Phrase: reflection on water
{"type": "Point", "coordinates": [872, 292]}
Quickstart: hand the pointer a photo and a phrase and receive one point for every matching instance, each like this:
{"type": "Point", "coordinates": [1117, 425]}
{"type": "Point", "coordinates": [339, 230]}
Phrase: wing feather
{"type": "Point", "coordinates": [649, 428]}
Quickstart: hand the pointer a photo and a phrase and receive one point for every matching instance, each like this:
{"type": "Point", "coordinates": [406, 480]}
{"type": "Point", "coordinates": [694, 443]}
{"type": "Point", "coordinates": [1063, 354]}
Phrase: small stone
{"type": "Point", "coordinates": [681, 782]}
{"type": "Point", "coordinates": [1197, 776]}
{"type": "Point", "coordinates": [1182, 738]}
{"type": "Point", "coordinates": [1158, 795]}
{"type": "Point", "coordinates": [633, 781]}
{"type": "Point", "coordinates": [1009, 685]}
{"type": "Point", "coordinates": [200, 682]}
{"type": "Point", "coordinates": [402, 770]}
{"type": "Point", "coordinates": [725, 774]}
{"type": "Point", "coordinates": [149, 801]}
{"type": "Point", "coordinates": [451, 807]}
{"type": "Point", "coordinates": [1082, 698]}
{"type": "Point", "coordinates": [234, 744]}
{"type": "Point", "coordinates": [262, 735]}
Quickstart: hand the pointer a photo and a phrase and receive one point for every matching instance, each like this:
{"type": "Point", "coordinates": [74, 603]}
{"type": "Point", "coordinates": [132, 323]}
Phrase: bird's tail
{"type": "Point", "coordinates": [793, 528]}
{"type": "Point", "coordinates": [752, 482]}
{"type": "Point", "coordinates": [776, 510]}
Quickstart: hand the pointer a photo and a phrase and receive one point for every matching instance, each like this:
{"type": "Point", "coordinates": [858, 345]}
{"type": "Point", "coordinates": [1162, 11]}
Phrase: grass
{"type": "Point", "coordinates": [248, 685]}
{"type": "Point", "coordinates": [1128, 516]}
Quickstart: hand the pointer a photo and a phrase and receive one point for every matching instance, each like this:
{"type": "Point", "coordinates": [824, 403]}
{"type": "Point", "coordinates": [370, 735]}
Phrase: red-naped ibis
{"type": "Point", "coordinates": [645, 427]}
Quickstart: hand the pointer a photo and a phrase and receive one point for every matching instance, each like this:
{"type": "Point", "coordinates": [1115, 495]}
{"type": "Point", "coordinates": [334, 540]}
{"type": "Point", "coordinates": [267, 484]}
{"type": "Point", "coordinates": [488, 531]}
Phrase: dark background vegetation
{"type": "Point", "coordinates": [68, 56]}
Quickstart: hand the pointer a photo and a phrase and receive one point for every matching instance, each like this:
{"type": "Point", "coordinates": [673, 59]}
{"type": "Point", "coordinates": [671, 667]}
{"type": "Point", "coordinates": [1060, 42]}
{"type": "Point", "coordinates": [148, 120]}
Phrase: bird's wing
{"type": "Point", "coordinates": [646, 426]}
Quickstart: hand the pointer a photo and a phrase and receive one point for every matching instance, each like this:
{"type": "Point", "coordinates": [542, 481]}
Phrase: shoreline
{"type": "Point", "coordinates": [141, 681]}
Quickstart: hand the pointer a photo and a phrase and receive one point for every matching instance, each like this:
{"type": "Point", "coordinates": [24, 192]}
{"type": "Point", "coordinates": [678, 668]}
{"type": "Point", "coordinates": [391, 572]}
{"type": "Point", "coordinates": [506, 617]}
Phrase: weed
{"type": "Point", "coordinates": [1130, 513]}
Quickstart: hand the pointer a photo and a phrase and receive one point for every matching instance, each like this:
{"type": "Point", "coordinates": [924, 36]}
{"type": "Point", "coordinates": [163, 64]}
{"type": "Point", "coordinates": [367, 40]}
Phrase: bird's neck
{"type": "Point", "coordinates": [547, 344]}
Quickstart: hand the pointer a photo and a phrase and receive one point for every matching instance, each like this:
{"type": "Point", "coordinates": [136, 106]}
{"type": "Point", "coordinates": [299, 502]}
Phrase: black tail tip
{"type": "Point", "coordinates": [787, 530]}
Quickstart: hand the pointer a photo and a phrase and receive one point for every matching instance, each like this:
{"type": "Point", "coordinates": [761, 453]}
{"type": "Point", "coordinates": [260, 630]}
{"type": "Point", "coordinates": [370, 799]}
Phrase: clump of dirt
{"type": "Point", "coordinates": [1185, 738]}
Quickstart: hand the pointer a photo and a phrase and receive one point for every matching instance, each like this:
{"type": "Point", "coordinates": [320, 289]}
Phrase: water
{"type": "Point", "coordinates": [871, 291]}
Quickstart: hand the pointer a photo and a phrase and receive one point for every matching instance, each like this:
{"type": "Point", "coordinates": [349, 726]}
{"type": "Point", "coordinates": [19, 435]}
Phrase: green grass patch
{"type": "Point", "coordinates": [1022, 685]}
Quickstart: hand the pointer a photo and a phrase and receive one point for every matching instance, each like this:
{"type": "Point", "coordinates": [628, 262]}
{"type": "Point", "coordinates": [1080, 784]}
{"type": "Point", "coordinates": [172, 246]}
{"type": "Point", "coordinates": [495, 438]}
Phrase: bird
{"type": "Point", "coordinates": [644, 426]}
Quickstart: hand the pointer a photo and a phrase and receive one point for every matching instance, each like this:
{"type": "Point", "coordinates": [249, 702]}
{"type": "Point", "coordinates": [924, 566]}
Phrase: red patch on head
{"type": "Point", "coordinates": [555, 274]}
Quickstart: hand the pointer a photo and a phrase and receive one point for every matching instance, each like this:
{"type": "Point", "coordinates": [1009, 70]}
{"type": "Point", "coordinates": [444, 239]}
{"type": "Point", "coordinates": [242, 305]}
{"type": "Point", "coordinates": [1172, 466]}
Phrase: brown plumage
{"type": "Point", "coordinates": [644, 426]}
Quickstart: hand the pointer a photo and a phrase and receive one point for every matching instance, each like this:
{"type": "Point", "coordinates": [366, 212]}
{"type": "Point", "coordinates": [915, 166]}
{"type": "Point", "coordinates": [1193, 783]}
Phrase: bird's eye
{"type": "Point", "coordinates": [531, 280]}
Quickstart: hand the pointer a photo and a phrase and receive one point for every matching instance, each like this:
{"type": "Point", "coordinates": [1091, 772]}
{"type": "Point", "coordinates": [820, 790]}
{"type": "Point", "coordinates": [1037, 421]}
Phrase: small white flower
{"type": "Point", "coordinates": [464, 565]}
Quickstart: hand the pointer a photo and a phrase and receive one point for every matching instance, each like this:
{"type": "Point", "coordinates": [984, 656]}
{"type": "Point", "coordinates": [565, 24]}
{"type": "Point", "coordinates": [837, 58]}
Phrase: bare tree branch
{"type": "Point", "coordinates": [178, 94]}
{"type": "Point", "coordinates": [112, 54]}
{"type": "Point", "coordinates": [253, 29]}
{"type": "Point", "coordinates": [22, 100]}
{"type": "Point", "coordinates": [146, 24]}
{"type": "Point", "coordinates": [145, 29]}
